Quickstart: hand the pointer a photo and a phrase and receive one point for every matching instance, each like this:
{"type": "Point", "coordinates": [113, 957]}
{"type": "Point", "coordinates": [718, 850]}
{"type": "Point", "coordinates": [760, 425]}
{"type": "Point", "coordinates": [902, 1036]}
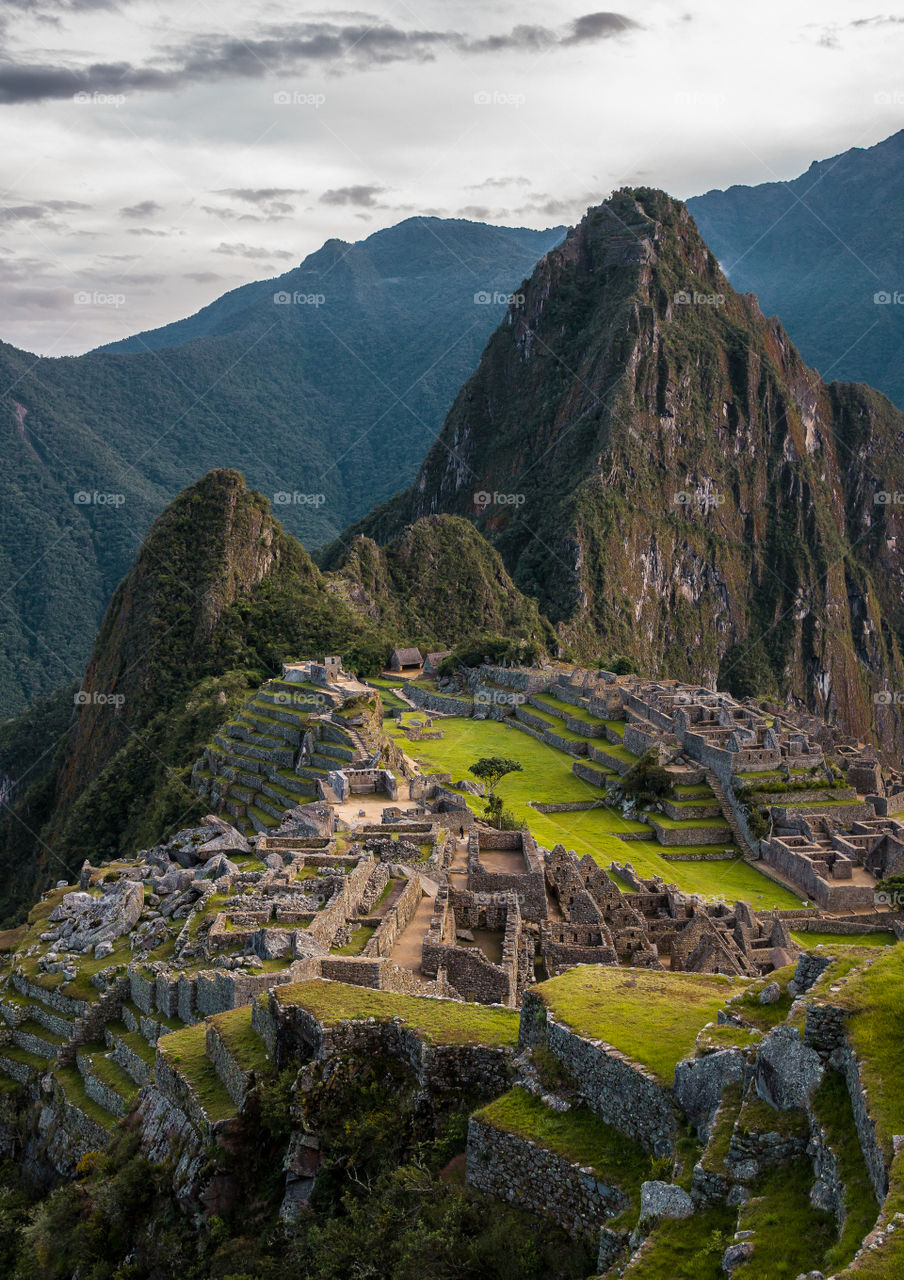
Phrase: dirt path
{"type": "Point", "coordinates": [408, 949]}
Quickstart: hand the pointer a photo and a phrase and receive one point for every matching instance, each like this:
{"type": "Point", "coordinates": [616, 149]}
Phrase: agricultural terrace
{"type": "Point", "coordinates": [547, 778]}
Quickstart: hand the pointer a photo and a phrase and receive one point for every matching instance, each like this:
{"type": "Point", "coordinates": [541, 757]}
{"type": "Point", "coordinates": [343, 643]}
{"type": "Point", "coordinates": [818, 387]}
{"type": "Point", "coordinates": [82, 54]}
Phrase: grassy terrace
{"type": "Point", "coordinates": [547, 777]}
{"type": "Point", "coordinates": [185, 1052]}
{"type": "Point", "coordinates": [652, 1017]}
{"type": "Point", "coordinates": [874, 997]}
{"type": "Point", "coordinates": [577, 1135]}
{"type": "Point", "coordinates": [439, 1021]}
{"type": "Point", "coordinates": [242, 1041]}
{"type": "Point", "coordinates": [808, 940]}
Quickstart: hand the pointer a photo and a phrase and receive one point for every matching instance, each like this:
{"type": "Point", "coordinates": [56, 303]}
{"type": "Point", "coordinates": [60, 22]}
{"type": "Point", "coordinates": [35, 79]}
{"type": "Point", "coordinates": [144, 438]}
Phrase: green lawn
{"type": "Point", "coordinates": [653, 1017]}
{"type": "Point", "coordinates": [547, 777]}
{"type": "Point", "coordinates": [440, 1021]}
{"type": "Point", "coordinates": [577, 1135]}
{"type": "Point", "coordinates": [807, 940]}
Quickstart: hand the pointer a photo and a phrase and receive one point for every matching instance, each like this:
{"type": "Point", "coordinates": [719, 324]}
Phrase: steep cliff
{"type": "Point", "coordinates": [655, 462]}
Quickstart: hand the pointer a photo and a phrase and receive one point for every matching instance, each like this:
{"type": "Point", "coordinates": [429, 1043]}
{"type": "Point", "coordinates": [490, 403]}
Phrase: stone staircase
{"type": "Point", "coordinates": [730, 811]}
{"type": "Point", "coordinates": [255, 769]}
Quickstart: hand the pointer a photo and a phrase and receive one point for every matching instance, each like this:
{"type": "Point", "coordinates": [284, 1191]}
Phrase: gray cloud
{"type": "Point", "coordinates": [43, 211]}
{"type": "Point", "coordinates": [254, 252]}
{"type": "Point", "coordinates": [365, 197]}
{"type": "Point", "coordinates": [141, 210]}
{"type": "Point", "coordinates": [260, 195]}
{"type": "Point", "coordinates": [285, 50]}
{"type": "Point", "coordinates": [495, 183]}
{"type": "Point", "coordinates": [203, 277]}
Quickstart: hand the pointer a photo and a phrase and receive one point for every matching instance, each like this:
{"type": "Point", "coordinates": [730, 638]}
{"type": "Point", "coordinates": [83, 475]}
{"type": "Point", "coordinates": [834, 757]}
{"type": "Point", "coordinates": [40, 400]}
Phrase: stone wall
{"type": "Point", "coordinates": [511, 1168]}
{"type": "Point", "coordinates": [620, 1091]}
{"type": "Point", "coordinates": [397, 919]}
{"type": "Point", "coordinates": [528, 885]}
{"type": "Point", "coordinates": [445, 704]}
{"type": "Point", "coordinates": [446, 1070]}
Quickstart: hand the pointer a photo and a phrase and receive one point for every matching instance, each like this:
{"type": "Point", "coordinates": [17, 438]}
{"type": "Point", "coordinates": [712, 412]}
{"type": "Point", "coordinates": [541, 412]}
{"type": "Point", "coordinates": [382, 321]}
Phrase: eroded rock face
{"type": "Point", "coordinates": [664, 1200]}
{"type": "Point", "coordinates": [699, 1084]}
{"type": "Point", "coordinates": [83, 921]}
{"type": "Point", "coordinates": [787, 1071]}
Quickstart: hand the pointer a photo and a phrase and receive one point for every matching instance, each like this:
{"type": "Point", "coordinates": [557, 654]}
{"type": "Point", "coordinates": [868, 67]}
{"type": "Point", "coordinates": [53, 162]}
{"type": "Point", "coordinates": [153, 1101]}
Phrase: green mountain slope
{"type": "Point", "coordinates": [817, 251]}
{"type": "Point", "coordinates": [218, 598]}
{"type": "Point", "coordinates": [656, 464]}
{"type": "Point", "coordinates": [329, 404]}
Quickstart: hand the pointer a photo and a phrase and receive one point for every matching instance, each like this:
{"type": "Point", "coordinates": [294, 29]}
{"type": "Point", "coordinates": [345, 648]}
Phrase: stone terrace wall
{"type": "Point", "coordinates": [511, 1168]}
{"type": "Point", "coordinates": [447, 705]}
{"type": "Point", "coordinates": [442, 1069]}
{"type": "Point", "coordinates": [621, 1092]}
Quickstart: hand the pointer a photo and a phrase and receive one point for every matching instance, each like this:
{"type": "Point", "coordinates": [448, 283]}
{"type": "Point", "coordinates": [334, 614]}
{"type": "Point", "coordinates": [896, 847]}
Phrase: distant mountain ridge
{"type": "Point", "coordinates": [817, 252]}
{"type": "Point", "coordinates": [330, 405]}
{"type": "Point", "coordinates": [660, 469]}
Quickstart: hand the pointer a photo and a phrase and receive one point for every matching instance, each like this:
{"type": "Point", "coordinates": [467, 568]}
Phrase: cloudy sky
{"type": "Point", "coordinates": [159, 152]}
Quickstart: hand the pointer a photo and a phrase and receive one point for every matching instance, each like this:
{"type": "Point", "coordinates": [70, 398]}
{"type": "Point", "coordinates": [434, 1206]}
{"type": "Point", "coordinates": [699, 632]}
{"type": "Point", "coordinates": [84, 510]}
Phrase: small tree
{"type": "Point", "coordinates": [490, 770]}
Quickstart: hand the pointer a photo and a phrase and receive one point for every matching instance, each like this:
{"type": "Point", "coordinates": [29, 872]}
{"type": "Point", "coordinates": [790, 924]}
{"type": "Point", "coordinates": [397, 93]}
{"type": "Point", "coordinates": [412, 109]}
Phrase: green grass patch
{"type": "Point", "coordinates": [439, 1021]}
{"type": "Point", "coordinates": [790, 1236]}
{"type": "Point", "coordinates": [874, 998]}
{"type": "Point", "coordinates": [185, 1052]}
{"type": "Point", "coordinates": [808, 940]}
{"type": "Point", "coordinates": [716, 1152]}
{"type": "Point", "coordinates": [689, 1249]}
{"type": "Point", "coordinates": [244, 1044]}
{"type": "Point", "coordinates": [73, 1086]}
{"type": "Point", "coordinates": [652, 1017]}
{"type": "Point", "coordinates": [577, 1135]}
{"type": "Point", "coordinates": [357, 941]}
{"type": "Point", "coordinates": [832, 1104]}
